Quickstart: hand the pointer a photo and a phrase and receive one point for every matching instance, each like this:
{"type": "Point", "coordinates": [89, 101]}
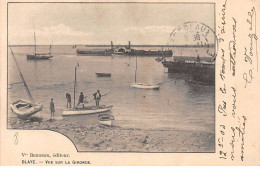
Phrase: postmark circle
{"type": "Point", "coordinates": [196, 34]}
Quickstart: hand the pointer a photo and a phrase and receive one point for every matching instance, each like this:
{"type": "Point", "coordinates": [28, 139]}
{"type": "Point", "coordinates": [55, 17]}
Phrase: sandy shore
{"type": "Point", "coordinates": [96, 137]}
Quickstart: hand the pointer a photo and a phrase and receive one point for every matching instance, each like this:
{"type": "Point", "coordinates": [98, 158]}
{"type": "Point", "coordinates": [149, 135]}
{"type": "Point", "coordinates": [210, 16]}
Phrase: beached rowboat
{"type": "Point", "coordinates": [86, 110]}
{"type": "Point", "coordinates": [106, 119]}
{"type": "Point", "coordinates": [144, 86]}
{"type": "Point", "coordinates": [23, 108]}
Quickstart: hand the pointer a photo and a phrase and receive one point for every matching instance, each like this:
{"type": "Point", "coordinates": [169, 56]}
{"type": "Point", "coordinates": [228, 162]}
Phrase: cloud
{"type": "Point", "coordinates": [150, 34]}
{"type": "Point", "coordinates": [57, 34]}
{"type": "Point", "coordinates": [151, 29]}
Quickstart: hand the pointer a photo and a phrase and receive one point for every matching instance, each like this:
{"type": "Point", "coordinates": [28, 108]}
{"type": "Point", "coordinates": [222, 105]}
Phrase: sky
{"type": "Point", "coordinates": [100, 23]}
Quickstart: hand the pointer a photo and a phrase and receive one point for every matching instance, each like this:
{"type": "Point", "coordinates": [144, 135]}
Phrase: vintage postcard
{"type": "Point", "coordinates": [129, 83]}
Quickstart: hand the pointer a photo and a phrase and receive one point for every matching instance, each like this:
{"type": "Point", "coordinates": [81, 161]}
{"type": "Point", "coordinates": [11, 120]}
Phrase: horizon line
{"type": "Point", "coordinates": [95, 45]}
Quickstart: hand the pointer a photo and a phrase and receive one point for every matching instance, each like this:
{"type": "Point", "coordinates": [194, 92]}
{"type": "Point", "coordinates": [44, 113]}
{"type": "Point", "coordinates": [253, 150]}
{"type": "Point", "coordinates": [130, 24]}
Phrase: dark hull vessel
{"type": "Point", "coordinates": [196, 72]}
{"type": "Point", "coordinates": [103, 74]}
{"type": "Point", "coordinates": [123, 51]}
{"type": "Point", "coordinates": [134, 52]}
{"type": "Point", "coordinates": [128, 51]}
{"type": "Point", "coordinates": [85, 52]}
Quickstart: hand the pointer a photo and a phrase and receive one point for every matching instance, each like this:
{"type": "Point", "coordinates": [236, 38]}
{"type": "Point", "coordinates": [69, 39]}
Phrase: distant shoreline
{"type": "Point", "coordinates": [108, 46]}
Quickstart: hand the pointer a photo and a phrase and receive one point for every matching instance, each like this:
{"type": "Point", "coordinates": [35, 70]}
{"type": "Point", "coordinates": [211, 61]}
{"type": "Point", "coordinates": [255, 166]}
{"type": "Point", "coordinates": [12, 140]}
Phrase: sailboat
{"type": "Point", "coordinates": [142, 85]}
{"type": "Point", "coordinates": [23, 108]}
{"type": "Point", "coordinates": [39, 56]}
{"type": "Point", "coordinates": [84, 110]}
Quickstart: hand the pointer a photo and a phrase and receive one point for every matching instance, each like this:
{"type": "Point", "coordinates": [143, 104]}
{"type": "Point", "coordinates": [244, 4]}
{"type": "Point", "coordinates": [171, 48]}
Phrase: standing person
{"type": "Point", "coordinates": [68, 100]}
{"type": "Point", "coordinates": [97, 97]}
{"type": "Point", "coordinates": [198, 58]}
{"type": "Point", "coordinates": [52, 108]}
{"type": "Point", "coordinates": [81, 99]}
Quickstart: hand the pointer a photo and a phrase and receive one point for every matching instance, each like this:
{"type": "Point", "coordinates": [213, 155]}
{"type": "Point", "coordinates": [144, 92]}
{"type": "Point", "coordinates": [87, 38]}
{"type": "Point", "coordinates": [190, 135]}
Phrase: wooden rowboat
{"type": "Point", "coordinates": [86, 110]}
{"type": "Point", "coordinates": [24, 108]}
{"type": "Point", "coordinates": [103, 74]}
{"type": "Point", "coordinates": [106, 119]}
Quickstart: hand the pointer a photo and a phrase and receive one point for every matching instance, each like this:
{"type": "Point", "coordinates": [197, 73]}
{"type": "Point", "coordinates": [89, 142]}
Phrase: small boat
{"type": "Point", "coordinates": [24, 109]}
{"type": "Point", "coordinates": [86, 110]}
{"type": "Point", "coordinates": [144, 86]}
{"type": "Point", "coordinates": [106, 119]}
{"type": "Point", "coordinates": [103, 74]}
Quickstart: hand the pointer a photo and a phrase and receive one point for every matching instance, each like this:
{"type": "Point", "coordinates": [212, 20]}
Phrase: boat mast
{"type": "Point", "coordinates": [135, 66]}
{"type": "Point", "coordinates": [50, 50]}
{"type": "Point", "coordinates": [50, 47]}
{"type": "Point", "coordinates": [34, 38]}
{"type": "Point", "coordinates": [75, 83]}
{"type": "Point", "coordinates": [21, 75]}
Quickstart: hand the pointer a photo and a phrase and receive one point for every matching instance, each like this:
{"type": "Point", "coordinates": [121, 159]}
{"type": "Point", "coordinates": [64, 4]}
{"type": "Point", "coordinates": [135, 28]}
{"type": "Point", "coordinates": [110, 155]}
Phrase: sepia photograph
{"type": "Point", "coordinates": [114, 76]}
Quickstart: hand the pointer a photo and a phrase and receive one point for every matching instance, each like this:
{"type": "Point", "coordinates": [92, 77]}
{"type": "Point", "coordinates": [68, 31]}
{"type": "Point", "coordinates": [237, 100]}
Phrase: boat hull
{"type": "Point", "coordinates": [103, 74]}
{"type": "Point", "coordinates": [117, 54]}
{"type": "Point", "coordinates": [106, 123]}
{"type": "Point", "coordinates": [39, 57]}
{"type": "Point", "coordinates": [197, 72]}
{"type": "Point", "coordinates": [82, 52]}
{"type": "Point", "coordinates": [144, 86]}
{"type": "Point", "coordinates": [24, 108]}
{"type": "Point", "coordinates": [86, 110]}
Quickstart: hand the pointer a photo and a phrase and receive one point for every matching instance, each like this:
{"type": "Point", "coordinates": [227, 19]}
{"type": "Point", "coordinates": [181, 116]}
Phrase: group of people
{"type": "Point", "coordinates": [97, 97]}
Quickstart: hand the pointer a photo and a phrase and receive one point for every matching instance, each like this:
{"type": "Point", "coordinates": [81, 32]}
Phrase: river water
{"type": "Point", "coordinates": [176, 105]}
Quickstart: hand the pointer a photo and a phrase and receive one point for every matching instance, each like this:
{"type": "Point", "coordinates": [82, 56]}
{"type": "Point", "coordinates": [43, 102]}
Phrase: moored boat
{"type": "Point", "coordinates": [103, 74]}
{"type": "Point", "coordinates": [39, 56]}
{"type": "Point", "coordinates": [142, 85]}
{"type": "Point", "coordinates": [94, 52]}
